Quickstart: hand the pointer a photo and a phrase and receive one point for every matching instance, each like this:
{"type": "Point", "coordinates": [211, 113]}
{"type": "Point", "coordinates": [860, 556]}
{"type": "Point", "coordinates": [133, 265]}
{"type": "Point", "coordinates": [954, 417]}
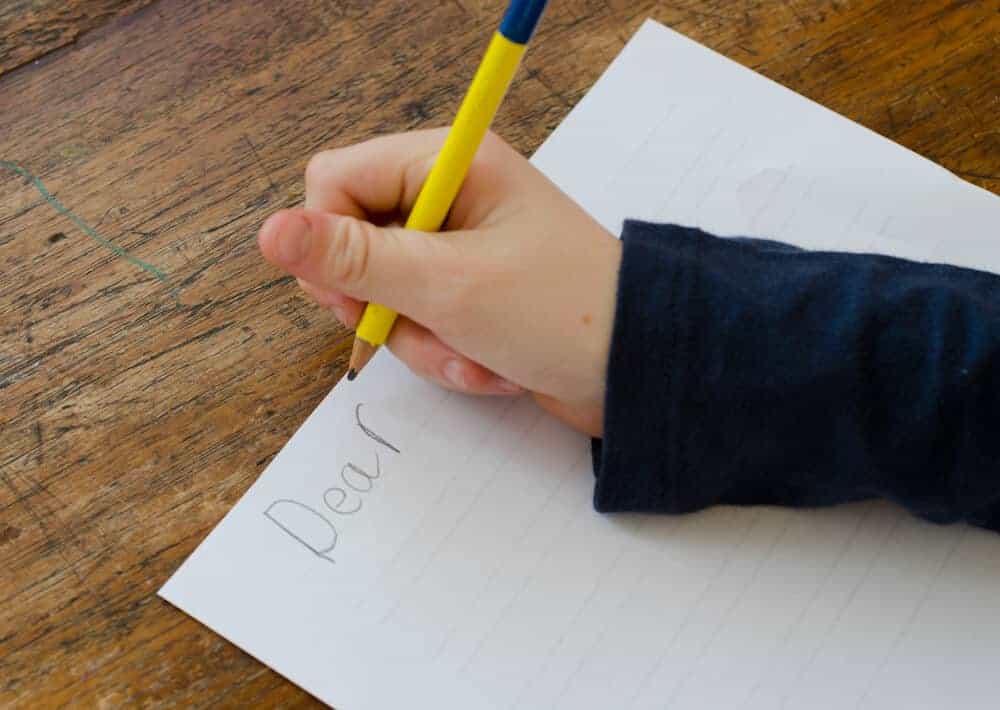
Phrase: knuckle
{"type": "Point", "coordinates": [320, 168]}
{"type": "Point", "coordinates": [349, 252]}
{"type": "Point", "coordinates": [495, 147]}
{"type": "Point", "coordinates": [490, 149]}
{"type": "Point", "coordinates": [492, 140]}
{"type": "Point", "coordinates": [323, 167]}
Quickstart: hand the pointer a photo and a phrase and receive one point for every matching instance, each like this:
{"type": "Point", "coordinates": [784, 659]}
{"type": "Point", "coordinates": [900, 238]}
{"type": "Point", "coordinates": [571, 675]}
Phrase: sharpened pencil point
{"type": "Point", "coordinates": [361, 353]}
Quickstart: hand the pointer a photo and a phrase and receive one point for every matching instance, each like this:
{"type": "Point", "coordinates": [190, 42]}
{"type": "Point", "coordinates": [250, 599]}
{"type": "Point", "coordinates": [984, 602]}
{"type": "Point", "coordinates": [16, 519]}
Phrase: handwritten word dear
{"type": "Point", "coordinates": [315, 529]}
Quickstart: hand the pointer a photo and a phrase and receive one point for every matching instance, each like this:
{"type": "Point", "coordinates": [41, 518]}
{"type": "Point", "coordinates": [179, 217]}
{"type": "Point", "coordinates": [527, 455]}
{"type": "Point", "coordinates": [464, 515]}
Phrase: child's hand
{"type": "Point", "coordinates": [519, 294]}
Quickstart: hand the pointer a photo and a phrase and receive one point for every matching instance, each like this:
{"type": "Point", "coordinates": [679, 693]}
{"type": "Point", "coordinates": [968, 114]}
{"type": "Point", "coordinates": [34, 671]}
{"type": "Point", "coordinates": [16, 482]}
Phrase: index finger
{"type": "Point", "coordinates": [379, 176]}
{"type": "Point", "coordinates": [383, 176]}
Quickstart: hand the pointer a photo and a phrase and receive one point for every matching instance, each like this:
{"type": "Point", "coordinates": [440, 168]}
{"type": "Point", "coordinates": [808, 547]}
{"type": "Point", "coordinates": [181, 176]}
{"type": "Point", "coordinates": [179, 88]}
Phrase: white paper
{"type": "Point", "coordinates": [475, 573]}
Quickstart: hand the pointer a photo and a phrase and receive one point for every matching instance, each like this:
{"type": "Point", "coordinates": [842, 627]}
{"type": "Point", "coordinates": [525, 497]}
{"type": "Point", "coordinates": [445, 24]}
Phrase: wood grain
{"type": "Point", "coordinates": [136, 410]}
{"type": "Point", "coordinates": [30, 29]}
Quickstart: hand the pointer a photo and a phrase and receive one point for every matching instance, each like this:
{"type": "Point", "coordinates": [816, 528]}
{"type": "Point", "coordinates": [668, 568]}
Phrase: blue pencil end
{"type": "Point", "coordinates": [521, 19]}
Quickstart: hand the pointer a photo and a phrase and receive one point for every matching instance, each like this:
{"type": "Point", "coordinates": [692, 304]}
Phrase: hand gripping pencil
{"type": "Point", "coordinates": [474, 117]}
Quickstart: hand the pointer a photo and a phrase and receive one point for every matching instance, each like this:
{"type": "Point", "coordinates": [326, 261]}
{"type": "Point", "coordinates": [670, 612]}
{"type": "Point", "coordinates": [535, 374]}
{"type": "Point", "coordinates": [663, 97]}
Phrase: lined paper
{"type": "Point", "coordinates": [411, 547]}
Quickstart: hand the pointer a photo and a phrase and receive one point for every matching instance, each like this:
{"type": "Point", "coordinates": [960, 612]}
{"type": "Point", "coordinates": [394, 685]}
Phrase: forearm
{"type": "Point", "coordinates": [749, 372]}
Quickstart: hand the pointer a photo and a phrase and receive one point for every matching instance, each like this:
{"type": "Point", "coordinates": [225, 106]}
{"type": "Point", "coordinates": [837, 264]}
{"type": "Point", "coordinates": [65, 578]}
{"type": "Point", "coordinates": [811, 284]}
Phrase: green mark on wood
{"type": "Point", "coordinates": [88, 230]}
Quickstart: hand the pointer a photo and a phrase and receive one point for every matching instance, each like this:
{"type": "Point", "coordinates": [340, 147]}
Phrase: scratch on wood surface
{"type": "Point", "coordinates": [86, 228]}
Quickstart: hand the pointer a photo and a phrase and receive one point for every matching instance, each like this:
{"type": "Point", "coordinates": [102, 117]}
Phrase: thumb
{"type": "Point", "coordinates": [392, 266]}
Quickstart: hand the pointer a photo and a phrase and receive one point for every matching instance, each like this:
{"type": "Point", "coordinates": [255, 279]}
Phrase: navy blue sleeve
{"type": "Point", "coordinates": [751, 372]}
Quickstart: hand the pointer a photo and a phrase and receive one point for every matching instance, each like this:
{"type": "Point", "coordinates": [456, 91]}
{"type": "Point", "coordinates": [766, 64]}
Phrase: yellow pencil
{"type": "Point", "coordinates": [500, 63]}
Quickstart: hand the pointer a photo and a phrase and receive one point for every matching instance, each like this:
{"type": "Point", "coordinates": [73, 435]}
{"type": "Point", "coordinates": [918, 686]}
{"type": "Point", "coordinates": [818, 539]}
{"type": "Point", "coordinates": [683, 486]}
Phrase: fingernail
{"type": "Point", "coordinates": [338, 313]}
{"type": "Point", "coordinates": [293, 242]}
{"type": "Point", "coordinates": [454, 373]}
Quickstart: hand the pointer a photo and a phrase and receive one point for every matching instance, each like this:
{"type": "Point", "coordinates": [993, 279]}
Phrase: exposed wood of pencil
{"type": "Point", "coordinates": [361, 353]}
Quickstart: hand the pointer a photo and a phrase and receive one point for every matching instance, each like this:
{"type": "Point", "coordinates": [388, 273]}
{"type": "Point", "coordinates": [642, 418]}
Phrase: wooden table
{"type": "Point", "coordinates": [151, 363]}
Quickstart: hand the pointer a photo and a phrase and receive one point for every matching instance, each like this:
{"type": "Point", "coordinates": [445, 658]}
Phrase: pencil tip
{"type": "Point", "coordinates": [361, 353]}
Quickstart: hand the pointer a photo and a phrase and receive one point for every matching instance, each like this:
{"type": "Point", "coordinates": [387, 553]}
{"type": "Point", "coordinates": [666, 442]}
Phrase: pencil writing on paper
{"type": "Point", "coordinates": [368, 432]}
{"type": "Point", "coordinates": [315, 529]}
